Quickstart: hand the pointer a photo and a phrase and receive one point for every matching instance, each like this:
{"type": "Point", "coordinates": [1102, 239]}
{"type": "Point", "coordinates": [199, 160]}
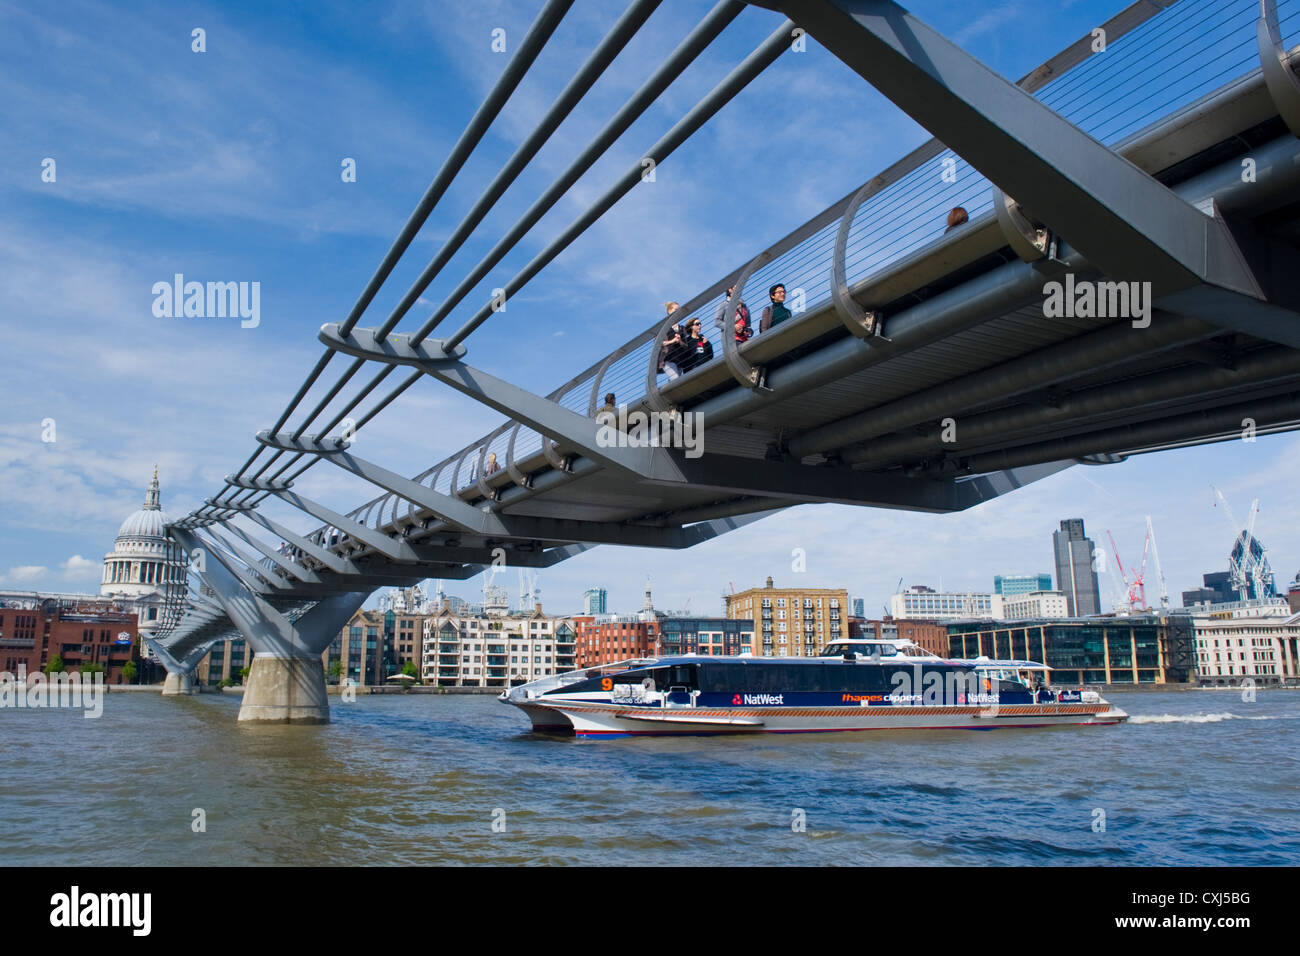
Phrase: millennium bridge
{"type": "Point", "coordinates": [1126, 283]}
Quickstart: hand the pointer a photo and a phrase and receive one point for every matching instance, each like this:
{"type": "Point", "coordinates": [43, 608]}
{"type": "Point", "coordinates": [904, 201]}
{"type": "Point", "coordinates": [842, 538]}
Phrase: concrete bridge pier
{"type": "Point", "coordinates": [285, 690]}
{"type": "Point", "coordinates": [177, 684]}
{"type": "Point", "coordinates": [286, 682]}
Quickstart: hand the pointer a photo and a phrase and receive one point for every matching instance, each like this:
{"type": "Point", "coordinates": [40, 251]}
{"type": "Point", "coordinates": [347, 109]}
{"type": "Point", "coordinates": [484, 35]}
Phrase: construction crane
{"type": "Point", "coordinates": [1136, 597]}
{"type": "Point", "coordinates": [1160, 574]}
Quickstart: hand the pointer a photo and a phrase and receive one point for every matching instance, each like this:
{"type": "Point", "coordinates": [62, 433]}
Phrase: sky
{"type": "Point", "coordinates": [225, 165]}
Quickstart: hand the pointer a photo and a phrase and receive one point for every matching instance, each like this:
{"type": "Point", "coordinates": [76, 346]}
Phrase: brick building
{"type": "Point", "coordinates": [609, 638]}
{"type": "Point", "coordinates": [791, 622]}
{"type": "Point", "coordinates": [78, 631]}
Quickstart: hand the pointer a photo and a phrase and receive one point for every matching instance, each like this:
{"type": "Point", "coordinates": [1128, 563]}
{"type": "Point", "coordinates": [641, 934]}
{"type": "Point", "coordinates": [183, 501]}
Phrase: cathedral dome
{"type": "Point", "coordinates": [144, 524]}
{"type": "Point", "coordinates": [144, 562]}
{"type": "Point", "coordinates": [150, 521]}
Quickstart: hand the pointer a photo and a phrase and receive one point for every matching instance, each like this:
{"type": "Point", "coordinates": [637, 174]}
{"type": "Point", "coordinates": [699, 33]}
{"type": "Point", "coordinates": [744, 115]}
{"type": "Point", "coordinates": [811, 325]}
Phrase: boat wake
{"type": "Point", "coordinates": [1203, 718]}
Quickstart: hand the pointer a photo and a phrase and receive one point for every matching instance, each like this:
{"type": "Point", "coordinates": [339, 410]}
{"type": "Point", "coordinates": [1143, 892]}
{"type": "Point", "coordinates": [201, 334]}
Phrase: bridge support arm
{"type": "Point", "coordinates": [545, 416]}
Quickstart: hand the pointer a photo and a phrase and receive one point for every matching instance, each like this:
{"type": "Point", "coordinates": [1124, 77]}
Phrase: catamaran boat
{"type": "Point", "coordinates": [854, 685]}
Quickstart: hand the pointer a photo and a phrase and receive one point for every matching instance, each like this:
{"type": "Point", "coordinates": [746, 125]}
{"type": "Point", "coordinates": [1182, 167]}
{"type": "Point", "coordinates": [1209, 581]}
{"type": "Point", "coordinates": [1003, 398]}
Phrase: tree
{"type": "Point", "coordinates": [409, 669]}
{"type": "Point", "coordinates": [92, 667]}
{"type": "Point", "coordinates": [129, 671]}
{"type": "Point", "coordinates": [243, 674]}
{"type": "Point", "coordinates": [336, 669]}
{"type": "Point", "coordinates": [55, 665]}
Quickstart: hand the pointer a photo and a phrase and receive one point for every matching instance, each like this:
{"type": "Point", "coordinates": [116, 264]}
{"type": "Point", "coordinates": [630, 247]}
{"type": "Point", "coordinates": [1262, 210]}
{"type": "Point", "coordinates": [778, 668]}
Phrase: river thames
{"type": "Point", "coordinates": [1197, 777]}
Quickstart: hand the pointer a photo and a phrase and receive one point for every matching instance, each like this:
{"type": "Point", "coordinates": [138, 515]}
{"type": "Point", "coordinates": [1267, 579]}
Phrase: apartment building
{"type": "Point", "coordinates": [791, 622]}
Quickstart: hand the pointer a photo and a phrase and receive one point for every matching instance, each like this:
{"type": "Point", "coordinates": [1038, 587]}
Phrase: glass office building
{"type": "Point", "coordinates": [1142, 649]}
{"type": "Point", "coordinates": [1009, 585]}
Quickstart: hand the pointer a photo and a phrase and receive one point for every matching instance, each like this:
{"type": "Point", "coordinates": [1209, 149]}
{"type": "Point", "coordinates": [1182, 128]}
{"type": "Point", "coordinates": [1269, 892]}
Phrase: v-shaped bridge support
{"type": "Point", "coordinates": [287, 680]}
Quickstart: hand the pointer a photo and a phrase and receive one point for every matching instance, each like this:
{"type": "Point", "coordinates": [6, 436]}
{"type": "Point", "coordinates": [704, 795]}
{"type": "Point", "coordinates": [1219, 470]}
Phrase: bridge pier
{"type": "Point", "coordinates": [285, 690]}
{"type": "Point", "coordinates": [286, 683]}
{"type": "Point", "coordinates": [177, 684]}
{"type": "Point", "coordinates": [179, 681]}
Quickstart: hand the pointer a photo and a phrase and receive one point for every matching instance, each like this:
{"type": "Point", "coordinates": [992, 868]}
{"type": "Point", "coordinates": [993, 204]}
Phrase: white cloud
{"type": "Point", "coordinates": [77, 566]}
{"type": "Point", "coordinates": [28, 572]}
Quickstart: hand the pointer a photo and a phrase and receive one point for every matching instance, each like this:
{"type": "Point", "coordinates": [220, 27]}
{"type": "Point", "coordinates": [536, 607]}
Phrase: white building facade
{"type": "Point", "coordinates": [497, 650]}
{"type": "Point", "coordinates": [1035, 604]}
{"type": "Point", "coordinates": [1230, 648]}
{"type": "Point", "coordinates": [923, 603]}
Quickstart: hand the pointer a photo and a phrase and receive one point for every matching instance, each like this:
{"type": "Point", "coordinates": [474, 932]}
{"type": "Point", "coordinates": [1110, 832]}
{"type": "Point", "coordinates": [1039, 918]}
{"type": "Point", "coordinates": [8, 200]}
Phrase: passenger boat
{"type": "Point", "coordinates": [854, 685]}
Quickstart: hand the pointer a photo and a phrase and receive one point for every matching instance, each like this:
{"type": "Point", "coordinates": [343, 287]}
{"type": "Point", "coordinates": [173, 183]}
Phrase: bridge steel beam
{"type": "Point", "coordinates": [209, 547]}
{"type": "Point", "coordinates": [273, 581]}
{"type": "Point", "coordinates": [387, 573]}
{"type": "Point", "coordinates": [1135, 397]}
{"type": "Point", "coordinates": [1104, 347]}
{"type": "Point", "coordinates": [1123, 221]}
{"type": "Point", "coordinates": [1143, 436]}
{"type": "Point", "coordinates": [293, 568]}
{"type": "Point", "coordinates": [477, 521]}
{"type": "Point", "coordinates": [286, 683]}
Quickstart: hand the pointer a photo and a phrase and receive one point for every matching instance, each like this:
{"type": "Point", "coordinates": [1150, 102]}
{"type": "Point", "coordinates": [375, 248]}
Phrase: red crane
{"type": "Point", "coordinates": [1137, 591]}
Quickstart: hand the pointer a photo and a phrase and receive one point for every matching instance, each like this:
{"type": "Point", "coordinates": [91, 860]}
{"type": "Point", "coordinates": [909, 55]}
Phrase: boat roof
{"type": "Point", "coordinates": [764, 661]}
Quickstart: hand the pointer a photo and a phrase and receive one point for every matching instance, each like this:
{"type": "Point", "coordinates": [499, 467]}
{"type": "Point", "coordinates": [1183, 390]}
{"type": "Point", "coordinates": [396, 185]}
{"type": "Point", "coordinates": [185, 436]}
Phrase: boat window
{"type": "Point", "coordinates": [681, 675]}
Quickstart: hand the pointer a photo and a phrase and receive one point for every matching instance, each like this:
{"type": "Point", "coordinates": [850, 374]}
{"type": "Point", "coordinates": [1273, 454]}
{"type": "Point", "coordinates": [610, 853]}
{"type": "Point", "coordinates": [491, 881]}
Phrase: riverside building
{"type": "Point", "coordinates": [1035, 605]}
{"type": "Point", "coordinates": [145, 567]}
{"type": "Point", "coordinates": [224, 663]}
{"type": "Point", "coordinates": [79, 630]}
{"type": "Point", "coordinates": [1010, 585]}
{"type": "Point", "coordinates": [610, 638]}
{"type": "Point", "coordinates": [496, 650]}
{"type": "Point", "coordinates": [594, 602]}
{"type": "Point", "coordinates": [1136, 649]}
{"type": "Point", "coordinates": [362, 651]}
{"type": "Point", "coordinates": [1260, 642]}
{"type": "Point", "coordinates": [791, 622]}
{"type": "Point", "coordinates": [716, 636]}
{"type": "Point", "coordinates": [924, 603]}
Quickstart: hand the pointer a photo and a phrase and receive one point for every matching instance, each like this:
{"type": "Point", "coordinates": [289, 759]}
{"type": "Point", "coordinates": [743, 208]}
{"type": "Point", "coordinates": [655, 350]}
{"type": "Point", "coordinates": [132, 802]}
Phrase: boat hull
{"type": "Point", "coordinates": [609, 719]}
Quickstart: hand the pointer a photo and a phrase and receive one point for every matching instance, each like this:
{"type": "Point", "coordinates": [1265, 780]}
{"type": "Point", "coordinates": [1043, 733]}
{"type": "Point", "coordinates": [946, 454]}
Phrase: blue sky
{"type": "Point", "coordinates": [224, 165]}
